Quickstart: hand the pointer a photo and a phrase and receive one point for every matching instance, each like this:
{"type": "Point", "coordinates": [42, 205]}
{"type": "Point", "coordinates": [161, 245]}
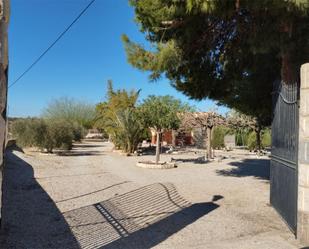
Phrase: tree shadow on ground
{"type": "Point", "coordinates": [139, 219]}
{"type": "Point", "coordinates": [82, 149]}
{"type": "Point", "coordinates": [196, 160]}
{"type": "Point", "coordinates": [258, 168]}
{"type": "Point", "coordinates": [30, 219]}
{"type": "Point", "coordinates": [151, 150]}
{"type": "Point", "coordinates": [80, 153]}
{"type": "Point", "coordinates": [84, 145]}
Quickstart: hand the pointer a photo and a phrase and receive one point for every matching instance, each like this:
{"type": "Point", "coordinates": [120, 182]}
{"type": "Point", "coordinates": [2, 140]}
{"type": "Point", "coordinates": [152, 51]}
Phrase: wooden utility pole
{"type": "Point", "coordinates": [4, 20]}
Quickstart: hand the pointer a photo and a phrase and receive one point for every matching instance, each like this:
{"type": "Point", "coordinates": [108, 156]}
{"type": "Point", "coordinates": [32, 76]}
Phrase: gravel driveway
{"type": "Point", "coordinates": [95, 198]}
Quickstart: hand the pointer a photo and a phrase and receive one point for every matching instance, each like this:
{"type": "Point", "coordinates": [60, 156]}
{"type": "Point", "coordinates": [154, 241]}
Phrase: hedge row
{"type": "Point", "coordinates": [46, 134]}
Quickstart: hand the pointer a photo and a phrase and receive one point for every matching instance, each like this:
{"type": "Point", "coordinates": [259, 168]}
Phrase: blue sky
{"type": "Point", "coordinates": [84, 59]}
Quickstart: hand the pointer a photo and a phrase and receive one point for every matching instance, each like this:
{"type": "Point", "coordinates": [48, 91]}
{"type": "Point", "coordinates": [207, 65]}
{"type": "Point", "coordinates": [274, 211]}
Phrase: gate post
{"type": "Point", "coordinates": [4, 18]}
{"type": "Point", "coordinates": [303, 159]}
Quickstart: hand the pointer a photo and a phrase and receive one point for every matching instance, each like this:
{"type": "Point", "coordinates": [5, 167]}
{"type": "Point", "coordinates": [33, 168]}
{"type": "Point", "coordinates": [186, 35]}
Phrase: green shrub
{"type": "Point", "coordinates": [60, 134]}
{"type": "Point", "coordinates": [44, 134]}
{"type": "Point", "coordinates": [242, 138]}
{"type": "Point", "coordinates": [39, 133]}
{"type": "Point", "coordinates": [266, 138]}
{"type": "Point", "coordinates": [217, 141]}
{"type": "Point", "coordinates": [251, 142]}
{"type": "Point", "coordinates": [21, 133]}
{"type": "Point", "coordinates": [79, 132]}
{"type": "Point", "coordinates": [29, 132]}
{"type": "Point", "coordinates": [127, 130]}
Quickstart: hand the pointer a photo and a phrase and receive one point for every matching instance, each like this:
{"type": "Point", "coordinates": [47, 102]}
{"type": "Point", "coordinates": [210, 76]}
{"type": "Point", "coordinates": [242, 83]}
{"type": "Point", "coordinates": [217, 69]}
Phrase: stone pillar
{"type": "Point", "coordinates": [4, 19]}
{"type": "Point", "coordinates": [303, 159]}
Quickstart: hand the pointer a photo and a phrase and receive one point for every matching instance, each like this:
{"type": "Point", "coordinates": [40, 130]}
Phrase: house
{"type": "Point", "coordinates": [192, 130]}
{"type": "Point", "coordinates": [182, 138]}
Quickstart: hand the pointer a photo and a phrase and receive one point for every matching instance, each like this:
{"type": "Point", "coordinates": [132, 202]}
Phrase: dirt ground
{"type": "Point", "coordinates": [95, 198]}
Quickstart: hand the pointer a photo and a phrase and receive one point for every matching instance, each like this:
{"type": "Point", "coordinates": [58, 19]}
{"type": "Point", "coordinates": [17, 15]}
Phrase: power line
{"type": "Point", "coordinates": [53, 44]}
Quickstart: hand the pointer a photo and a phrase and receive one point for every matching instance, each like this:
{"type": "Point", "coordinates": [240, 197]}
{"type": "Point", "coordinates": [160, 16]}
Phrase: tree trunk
{"type": "Point", "coordinates": [129, 149]}
{"type": "Point", "coordinates": [258, 139]}
{"type": "Point", "coordinates": [174, 138]}
{"type": "Point", "coordinates": [289, 70]}
{"type": "Point", "coordinates": [158, 147]}
{"type": "Point", "coordinates": [237, 5]}
{"type": "Point", "coordinates": [208, 144]}
{"type": "Point", "coordinates": [289, 74]}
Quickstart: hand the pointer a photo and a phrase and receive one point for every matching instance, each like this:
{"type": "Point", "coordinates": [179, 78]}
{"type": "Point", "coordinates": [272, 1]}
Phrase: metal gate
{"type": "Point", "coordinates": [283, 169]}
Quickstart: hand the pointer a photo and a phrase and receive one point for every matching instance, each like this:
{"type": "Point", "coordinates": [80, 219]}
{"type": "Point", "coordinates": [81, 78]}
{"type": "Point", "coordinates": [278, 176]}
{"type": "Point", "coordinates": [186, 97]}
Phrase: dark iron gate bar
{"type": "Point", "coordinates": [284, 159]}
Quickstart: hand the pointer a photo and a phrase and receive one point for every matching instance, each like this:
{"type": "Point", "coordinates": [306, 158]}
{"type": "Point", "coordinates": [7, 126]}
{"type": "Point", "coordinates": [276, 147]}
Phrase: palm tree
{"type": "Point", "coordinates": [118, 117]}
{"type": "Point", "coordinates": [126, 130]}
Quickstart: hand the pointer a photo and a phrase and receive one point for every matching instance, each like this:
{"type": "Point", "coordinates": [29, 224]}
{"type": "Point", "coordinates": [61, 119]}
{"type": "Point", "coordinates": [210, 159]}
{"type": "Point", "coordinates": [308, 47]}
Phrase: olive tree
{"type": "Point", "coordinates": [160, 114]}
{"type": "Point", "coordinates": [45, 134]}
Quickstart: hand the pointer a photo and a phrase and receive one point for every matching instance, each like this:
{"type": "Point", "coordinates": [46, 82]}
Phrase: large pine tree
{"type": "Point", "coordinates": [227, 50]}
